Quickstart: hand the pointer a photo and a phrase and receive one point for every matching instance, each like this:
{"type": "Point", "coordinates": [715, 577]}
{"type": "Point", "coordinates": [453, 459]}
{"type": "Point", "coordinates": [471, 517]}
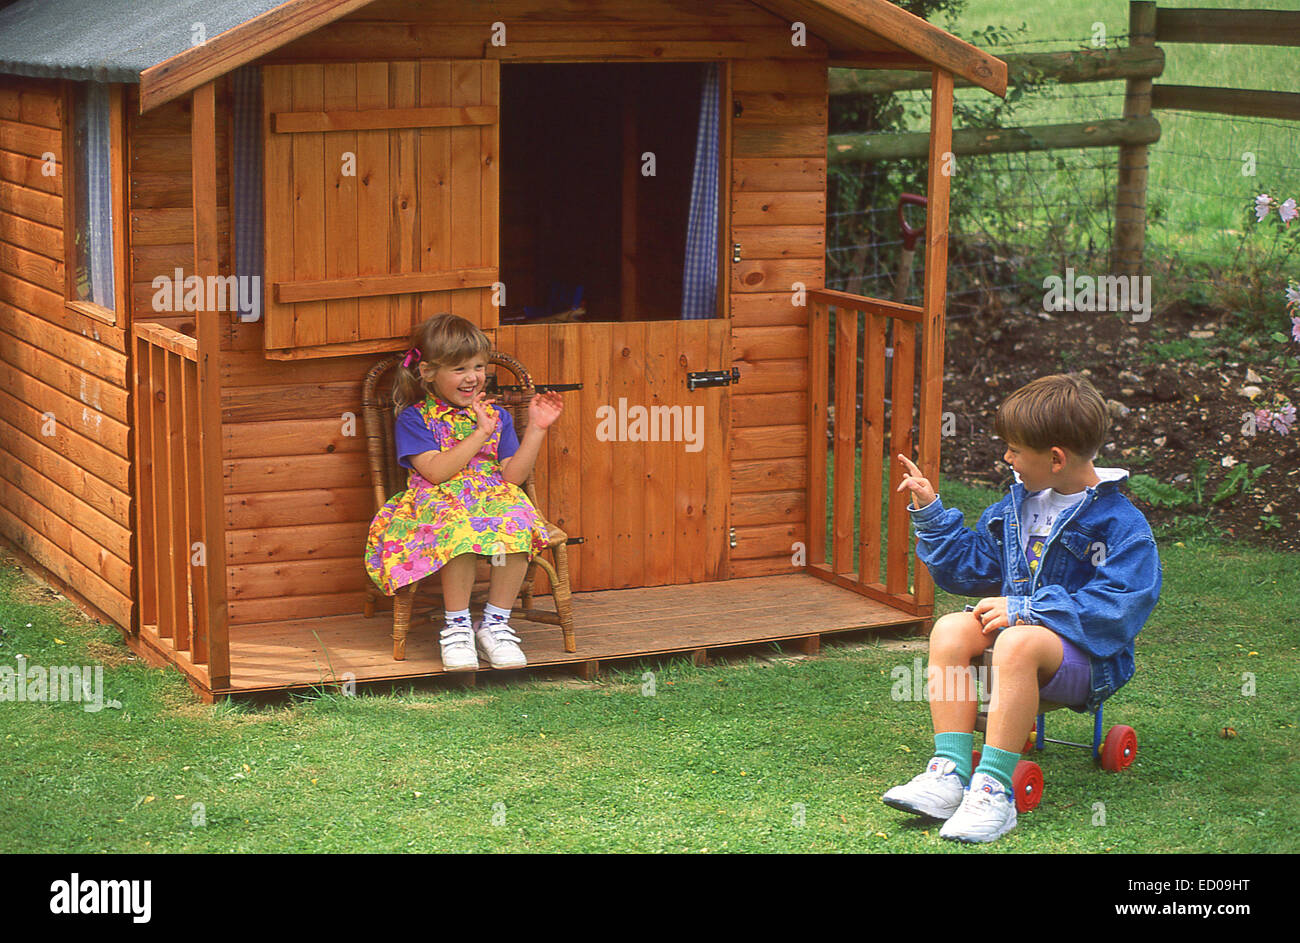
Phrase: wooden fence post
{"type": "Point", "coordinates": [1131, 190]}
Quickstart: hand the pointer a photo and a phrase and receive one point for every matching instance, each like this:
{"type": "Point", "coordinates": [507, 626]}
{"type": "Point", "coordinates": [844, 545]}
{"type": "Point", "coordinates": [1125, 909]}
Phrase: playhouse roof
{"type": "Point", "coordinates": [151, 42]}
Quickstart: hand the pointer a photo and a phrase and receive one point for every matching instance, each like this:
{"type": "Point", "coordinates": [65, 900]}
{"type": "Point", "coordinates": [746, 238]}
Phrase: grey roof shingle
{"type": "Point", "coordinates": [109, 40]}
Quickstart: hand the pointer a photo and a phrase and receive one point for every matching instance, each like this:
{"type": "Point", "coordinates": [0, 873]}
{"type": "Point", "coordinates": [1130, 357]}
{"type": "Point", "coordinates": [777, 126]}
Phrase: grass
{"type": "Point", "coordinates": [731, 757]}
{"type": "Point", "coordinates": [1198, 196]}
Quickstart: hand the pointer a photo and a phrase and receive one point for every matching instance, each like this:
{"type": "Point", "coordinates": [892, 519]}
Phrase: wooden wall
{"type": "Point", "coordinates": [778, 215]}
{"type": "Point", "coordinates": [64, 431]}
{"type": "Point", "coordinates": [162, 201]}
{"type": "Point", "coordinates": [298, 501]}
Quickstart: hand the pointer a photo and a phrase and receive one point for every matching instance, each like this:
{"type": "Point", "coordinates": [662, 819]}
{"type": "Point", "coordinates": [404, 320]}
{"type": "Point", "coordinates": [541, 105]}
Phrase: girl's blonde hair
{"type": "Point", "coordinates": [442, 341]}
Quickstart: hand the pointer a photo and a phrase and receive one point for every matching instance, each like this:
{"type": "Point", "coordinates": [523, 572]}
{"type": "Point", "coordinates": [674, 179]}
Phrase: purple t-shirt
{"type": "Point", "coordinates": [411, 436]}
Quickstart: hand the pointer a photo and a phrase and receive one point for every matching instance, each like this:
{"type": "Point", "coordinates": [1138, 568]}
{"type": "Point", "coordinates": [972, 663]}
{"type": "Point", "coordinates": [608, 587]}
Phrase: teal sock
{"type": "Point", "coordinates": [956, 747]}
{"type": "Point", "coordinates": [999, 764]}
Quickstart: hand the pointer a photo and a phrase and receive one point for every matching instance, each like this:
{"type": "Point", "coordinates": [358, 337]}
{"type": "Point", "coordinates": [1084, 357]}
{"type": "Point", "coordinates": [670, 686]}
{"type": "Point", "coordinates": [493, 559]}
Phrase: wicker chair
{"type": "Point", "coordinates": [389, 478]}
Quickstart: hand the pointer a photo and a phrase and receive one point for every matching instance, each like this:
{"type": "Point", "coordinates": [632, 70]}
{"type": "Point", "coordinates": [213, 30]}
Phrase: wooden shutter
{"type": "Point", "coordinates": [355, 260]}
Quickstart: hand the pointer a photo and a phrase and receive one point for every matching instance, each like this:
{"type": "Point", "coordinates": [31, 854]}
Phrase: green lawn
{"type": "Point", "coordinates": [731, 757]}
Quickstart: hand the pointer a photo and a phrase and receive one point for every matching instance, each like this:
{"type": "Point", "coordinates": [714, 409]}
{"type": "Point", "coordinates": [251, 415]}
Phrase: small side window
{"type": "Point", "coordinates": [88, 190]}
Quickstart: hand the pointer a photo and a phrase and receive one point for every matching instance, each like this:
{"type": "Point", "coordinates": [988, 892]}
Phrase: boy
{"type": "Point", "coordinates": [1076, 573]}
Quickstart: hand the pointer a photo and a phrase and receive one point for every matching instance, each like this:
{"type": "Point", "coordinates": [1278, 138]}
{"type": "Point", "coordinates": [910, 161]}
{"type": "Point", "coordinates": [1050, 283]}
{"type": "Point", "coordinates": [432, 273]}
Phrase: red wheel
{"type": "Point", "coordinates": [1119, 748]}
{"type": "Point", "coordinates": [974, 760]}
{"type": "Point", "coordinates": [1027, 783]}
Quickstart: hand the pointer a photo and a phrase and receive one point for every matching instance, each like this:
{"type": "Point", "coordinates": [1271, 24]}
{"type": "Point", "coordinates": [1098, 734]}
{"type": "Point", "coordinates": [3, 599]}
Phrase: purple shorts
{"type": "Point", "coordinates": [1072, 682]}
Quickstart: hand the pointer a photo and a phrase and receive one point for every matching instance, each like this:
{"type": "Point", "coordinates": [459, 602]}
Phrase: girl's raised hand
{"type": "Point", "coordinates": [915, 482]}
{"type": "Point", "coordinates": [545, 408]}
{"type": "Point", "coordinates": [484, 413]}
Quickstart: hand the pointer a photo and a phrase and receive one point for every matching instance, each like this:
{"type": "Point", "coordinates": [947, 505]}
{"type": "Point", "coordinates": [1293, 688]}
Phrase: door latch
{"type": "Point", "coordinates": [712, 378]}
{"type": "Point", "coordinates": [735, 252]}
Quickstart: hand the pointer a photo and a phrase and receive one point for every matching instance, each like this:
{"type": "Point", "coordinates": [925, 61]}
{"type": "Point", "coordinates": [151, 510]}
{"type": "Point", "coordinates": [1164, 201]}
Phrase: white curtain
{"type": "Point", "coordinates": [96, 192]}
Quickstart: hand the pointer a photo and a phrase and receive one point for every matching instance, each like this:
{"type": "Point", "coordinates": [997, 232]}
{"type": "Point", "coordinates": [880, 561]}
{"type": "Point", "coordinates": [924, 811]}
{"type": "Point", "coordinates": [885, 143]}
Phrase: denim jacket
{"type": "Point", "coordinates": [1096, 585]}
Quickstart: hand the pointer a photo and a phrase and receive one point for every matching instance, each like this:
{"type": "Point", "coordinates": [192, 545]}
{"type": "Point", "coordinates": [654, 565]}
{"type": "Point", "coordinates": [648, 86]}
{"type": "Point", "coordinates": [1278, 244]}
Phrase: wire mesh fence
{"type": "Point", "coordinates": [1019, 217]}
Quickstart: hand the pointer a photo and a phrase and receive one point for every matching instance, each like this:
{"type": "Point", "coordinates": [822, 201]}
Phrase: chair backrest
{"type": "Point", "coordinates": [386, 475]}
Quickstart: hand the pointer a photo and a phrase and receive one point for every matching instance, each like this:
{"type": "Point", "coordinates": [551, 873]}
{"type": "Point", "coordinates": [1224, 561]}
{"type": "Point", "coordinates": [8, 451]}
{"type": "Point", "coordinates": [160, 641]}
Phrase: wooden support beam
{"type": "Point", "coordinates": [1237, 27]}
{"type": "Point", "coordinates": [938, 186]}
{"type": "Point", "coordinates": [1246, 102]}
{"type": "Point", "coordinates": [206, 246]}
{"type": "Point", "coordinates": [1076, 65]}
{"type": "Point", "coordinates": [847, 148]}
{"type": "Point", "coordinates": [381, 119]}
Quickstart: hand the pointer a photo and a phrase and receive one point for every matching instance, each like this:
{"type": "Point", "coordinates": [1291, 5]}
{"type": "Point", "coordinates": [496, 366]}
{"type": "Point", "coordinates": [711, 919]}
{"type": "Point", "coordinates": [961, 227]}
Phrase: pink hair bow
{"type": "Point", "coordinates": [412, 356]}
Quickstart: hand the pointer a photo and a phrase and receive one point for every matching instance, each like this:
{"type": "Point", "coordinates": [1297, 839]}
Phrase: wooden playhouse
{"type": "Point", "coordinates": [629, 196]}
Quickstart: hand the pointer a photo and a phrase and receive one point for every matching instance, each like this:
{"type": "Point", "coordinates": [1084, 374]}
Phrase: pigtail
{"type": "Point", "coordinates": [408, 388]}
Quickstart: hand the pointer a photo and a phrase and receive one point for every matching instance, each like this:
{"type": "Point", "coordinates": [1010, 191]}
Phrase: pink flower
{"type": "Point", "coordinates": [1295, 330]}
{"type": "Point", "coordinates": [1288, 211]}
{"type": "Point", "coordinates": [1263, 203]}
{"type": "Point", "coordinates": [1284, 420]}
{"type": "Point", "coordinates": [1293, 296]}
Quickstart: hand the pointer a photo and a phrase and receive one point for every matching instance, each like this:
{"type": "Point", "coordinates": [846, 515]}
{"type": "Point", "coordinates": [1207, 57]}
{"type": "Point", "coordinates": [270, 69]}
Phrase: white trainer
{"type": "Point", "coordinates": [500, 645]}
{"type": "Point", "coordinates": [458, 649]}
{"type": "Point", "coordinates": [988, 812]}
{"type": "Point", "coordinates": [937, 792]}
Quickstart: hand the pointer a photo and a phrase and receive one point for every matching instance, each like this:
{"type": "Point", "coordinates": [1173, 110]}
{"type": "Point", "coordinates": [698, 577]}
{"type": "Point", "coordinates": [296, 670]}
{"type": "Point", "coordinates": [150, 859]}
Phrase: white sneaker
{"type": "Point", "coordinates": [458, 649]}
{"type": "Point", "coordinates": [937, 792]}
{"type": "Point", "coordinates": [500, 645]}
{"type": "Point", "coordinates": [987, 812]}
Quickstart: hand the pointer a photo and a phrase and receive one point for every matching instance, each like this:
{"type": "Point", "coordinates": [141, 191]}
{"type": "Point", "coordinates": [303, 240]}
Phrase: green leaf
{"type": "Point", "coordinates": [1157, 493]}
{"type": "Point", "coordinates": [1236, 477]}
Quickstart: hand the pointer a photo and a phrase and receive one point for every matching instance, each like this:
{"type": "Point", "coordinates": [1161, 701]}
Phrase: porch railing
{"type": "Point", "coordinates": [830, 556]}
{"type": "Point", "coordinates": [176, 569]}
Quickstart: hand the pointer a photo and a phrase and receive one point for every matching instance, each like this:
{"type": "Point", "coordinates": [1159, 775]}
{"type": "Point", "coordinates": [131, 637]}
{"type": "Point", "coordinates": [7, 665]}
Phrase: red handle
{"type": "Point", "coordinates": [910, 235]}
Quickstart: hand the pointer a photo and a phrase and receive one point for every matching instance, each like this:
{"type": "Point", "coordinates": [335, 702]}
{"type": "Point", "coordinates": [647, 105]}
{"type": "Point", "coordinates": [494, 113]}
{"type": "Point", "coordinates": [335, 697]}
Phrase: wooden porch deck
{"type": "Point", "coordinates": [611, 624]}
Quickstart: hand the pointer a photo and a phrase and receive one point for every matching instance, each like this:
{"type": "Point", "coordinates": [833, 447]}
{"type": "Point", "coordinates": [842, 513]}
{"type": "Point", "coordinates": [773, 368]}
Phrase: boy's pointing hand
{"type": "Point", "coordinates": [915, 482]}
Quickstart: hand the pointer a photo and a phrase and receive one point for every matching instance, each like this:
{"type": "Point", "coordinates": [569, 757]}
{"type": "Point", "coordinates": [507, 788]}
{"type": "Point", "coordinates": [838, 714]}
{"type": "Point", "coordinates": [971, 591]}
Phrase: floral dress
{"type": "Point", "coordinates": [475, 511]}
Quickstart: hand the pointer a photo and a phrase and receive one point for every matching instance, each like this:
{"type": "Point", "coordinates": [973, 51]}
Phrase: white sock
{"type": "Point", "coordinates": [492, 614]}
{"type": "Point", "coordinates": [457, 618]}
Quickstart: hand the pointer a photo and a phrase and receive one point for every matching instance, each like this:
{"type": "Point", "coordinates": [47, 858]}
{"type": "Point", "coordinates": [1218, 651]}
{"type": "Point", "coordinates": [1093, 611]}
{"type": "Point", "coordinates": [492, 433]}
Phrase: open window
{"type": "Point", "coordinates": [610, 191]}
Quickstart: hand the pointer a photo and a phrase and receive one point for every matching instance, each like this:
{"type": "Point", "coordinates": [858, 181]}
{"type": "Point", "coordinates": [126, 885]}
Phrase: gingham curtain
{"type": "Point", "coordinates": [97, 177]}
{"type": "Point", "coordinates": [700, 276]}
{"type": "Point", "coordinates": [246, 145]}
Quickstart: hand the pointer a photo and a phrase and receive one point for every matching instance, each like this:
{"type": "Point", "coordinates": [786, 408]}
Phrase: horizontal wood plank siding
{"type": "Point", "coordinates": [162, 205]}
{"type": "Point", "coordinates": [778, 216]}
{"type": "Point", "coordinates": [65, 493]}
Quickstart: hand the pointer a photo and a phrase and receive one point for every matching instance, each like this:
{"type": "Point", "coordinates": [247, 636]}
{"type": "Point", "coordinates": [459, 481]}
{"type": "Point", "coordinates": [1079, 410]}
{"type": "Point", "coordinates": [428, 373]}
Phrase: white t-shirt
{"type": "Point", "coordinates": [1038, 513]}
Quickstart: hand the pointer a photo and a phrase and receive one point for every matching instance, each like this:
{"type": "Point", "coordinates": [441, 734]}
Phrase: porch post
{"type": "Point", "coordinates": [203, 139]}
{"type": "Point", "coordinates": [936, 288]}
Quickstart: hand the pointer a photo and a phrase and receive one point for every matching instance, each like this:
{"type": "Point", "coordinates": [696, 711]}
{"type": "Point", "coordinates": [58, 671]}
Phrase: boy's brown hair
{"type": "Point", "coordinates": [1062, 409]}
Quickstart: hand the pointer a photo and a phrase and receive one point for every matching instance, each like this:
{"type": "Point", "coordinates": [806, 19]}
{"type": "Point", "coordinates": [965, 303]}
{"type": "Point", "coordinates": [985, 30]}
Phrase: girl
{"type": "Point", "coordinates": [463, 497]}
